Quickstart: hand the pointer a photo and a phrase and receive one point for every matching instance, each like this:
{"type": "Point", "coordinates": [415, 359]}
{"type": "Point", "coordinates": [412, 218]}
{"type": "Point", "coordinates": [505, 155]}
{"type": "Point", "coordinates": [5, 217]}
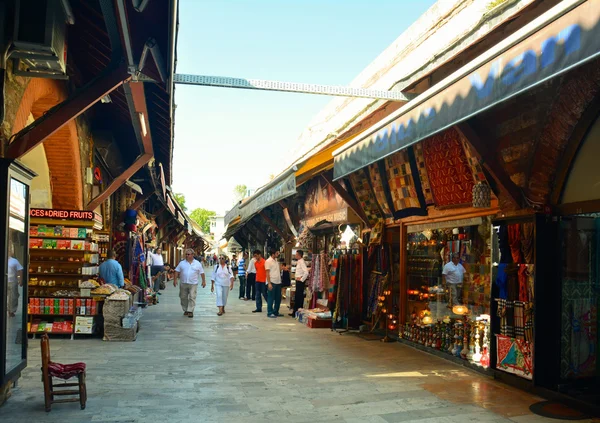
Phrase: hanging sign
{"type": "Point", "coordinates": [63, 214]}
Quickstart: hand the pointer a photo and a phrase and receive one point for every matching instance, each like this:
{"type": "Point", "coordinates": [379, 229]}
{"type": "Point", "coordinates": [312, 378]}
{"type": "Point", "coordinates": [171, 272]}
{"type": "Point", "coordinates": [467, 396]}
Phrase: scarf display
{"type": "Point", "coordinates": [348, 291]}
{"type": "Point", "coordinates": [514, 241]}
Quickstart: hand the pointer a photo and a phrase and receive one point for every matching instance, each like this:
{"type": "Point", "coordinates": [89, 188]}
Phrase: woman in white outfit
{"type": "Point", "coordinates": [223, 279]}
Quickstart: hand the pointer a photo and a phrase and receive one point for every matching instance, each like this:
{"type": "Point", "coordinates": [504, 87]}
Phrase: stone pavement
{"type": "Point", "coordinates": [243, 367]}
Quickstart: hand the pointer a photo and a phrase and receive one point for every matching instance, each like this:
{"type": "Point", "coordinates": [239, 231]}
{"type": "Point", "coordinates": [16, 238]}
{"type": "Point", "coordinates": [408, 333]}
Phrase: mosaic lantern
{"type": "Point", "coordinates": [482, 195]}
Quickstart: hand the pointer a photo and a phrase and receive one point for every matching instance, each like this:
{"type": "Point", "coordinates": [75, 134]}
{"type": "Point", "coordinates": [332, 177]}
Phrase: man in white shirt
{"type": "Point", "coordinates": [273, 285]}
{"type": "Point", "coordinates": [188, 272]}
{"type": "Point", "coordinates": [251, 279]}
{"type": "Point", "coordinates": [15, 280]}
{"type": "Point", "coordinates": [301, 275]}
{"type": "Point", "coordinates": [453, 275]}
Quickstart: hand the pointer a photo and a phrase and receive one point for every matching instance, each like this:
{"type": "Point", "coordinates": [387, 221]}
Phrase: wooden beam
{"type": "Point", "coordinates": [328, 178]}
{"type": "Point", "coordinates": [491, 163]}
{"type": "Point", "coordinates": [136, 90]}
{"type": "Point", "coordinates": [46, 125]}
{"type": "Point", "coordinates": [168, 235]}
{"type": "Point", "coordinates": [258, 234]}
{"type": "Point", "coordinates": [293, 216]}
{"type": "Point", "coordinates": [272, 225]}
{"type": "Point", "coordinates": [141, 200]}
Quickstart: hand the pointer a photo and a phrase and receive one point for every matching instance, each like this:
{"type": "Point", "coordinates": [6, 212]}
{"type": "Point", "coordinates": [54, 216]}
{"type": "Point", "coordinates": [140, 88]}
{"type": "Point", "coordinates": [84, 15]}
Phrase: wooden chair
{"type": "Point", "coordinates": [52, 370]}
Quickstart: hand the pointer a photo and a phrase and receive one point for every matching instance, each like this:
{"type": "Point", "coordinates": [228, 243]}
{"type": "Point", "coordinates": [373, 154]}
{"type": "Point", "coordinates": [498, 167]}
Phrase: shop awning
{"type": "Point", "coordinates": [277, 190]}
{"type": "Point", "coordinates": [566, 36]}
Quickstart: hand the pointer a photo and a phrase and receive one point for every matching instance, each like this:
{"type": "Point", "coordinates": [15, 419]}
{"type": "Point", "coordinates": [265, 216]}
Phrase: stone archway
{"type": "Point", "coordinates": [61, 148]}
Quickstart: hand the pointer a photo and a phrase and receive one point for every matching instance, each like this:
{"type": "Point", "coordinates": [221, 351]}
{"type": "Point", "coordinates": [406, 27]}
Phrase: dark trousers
{"type": "Point", "coordinates": [274, 299]}
{"type": "Point", "coordinates": [242, 286]}
{"type": "Point", "coordinates": [260, 291]}
{"type": "Point", "coordinates": [250, 285]}
{"type": "Point", "coordinates": [299, 296]}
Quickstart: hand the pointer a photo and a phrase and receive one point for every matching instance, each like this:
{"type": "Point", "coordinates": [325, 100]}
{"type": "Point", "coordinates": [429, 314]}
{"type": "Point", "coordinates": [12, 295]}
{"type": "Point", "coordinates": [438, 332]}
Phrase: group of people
{"type": "Point", "coordinates": [258, 278]}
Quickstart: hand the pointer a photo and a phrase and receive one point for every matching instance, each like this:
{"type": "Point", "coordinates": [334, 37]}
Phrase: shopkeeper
{"type": "Point", "coordinates": [453, 276]}
{"type": "Point", "coordinates": [111, 270]}
{"type": "Point", "coordinates": [301, 275]}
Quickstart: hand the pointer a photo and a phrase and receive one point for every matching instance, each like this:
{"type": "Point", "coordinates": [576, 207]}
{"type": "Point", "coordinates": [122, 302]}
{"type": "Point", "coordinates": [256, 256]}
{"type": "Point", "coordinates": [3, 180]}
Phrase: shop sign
{"type": "Point", "coordinates": [474, 221]}
{"type": "Point", "coordinates": [63, 214]}
{"type": "Point", "coordinates": [339, 216]}
{"type": "Point", "coordinates": [180, 219]}
{"type": "Point", "coordinates": [162, 180]}
{"type": "Point", "coordinates": [321, 199]}
{"type": "Point", "coordinates": [279, 191]}
{"type": "Point", "coordinates": [505, 71]}
{"type": "Point", "coordinates": [170, 205]}
{"type": "Point", "coordinates": [232, 214]}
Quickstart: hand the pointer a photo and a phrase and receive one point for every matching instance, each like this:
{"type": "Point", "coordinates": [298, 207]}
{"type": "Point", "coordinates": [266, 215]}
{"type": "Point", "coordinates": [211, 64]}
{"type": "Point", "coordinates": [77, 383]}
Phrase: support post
{"type": "Point", "coordinates": [46, 125]}
{"type": "Point", "coordinates": [273, 225]}
{"type": "Point", "coordinates": [327, 177]}
{"type": "Point", "coordinates": [493, 165]}
{"type": "Point", "coordinates": [139, 120]}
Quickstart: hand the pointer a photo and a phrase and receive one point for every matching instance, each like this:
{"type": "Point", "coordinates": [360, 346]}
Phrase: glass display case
{"type": "Point", "coordinates": [14, 252]}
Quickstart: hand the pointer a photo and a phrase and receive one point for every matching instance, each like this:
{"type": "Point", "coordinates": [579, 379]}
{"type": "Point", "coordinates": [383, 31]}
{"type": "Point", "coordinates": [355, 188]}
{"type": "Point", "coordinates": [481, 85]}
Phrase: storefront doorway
{"type": "Point", "coordinates": [580, 299]}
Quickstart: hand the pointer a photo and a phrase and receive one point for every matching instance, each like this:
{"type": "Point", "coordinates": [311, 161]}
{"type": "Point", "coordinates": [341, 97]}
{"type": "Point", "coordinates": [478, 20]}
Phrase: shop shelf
{"type": "Point", "coordinates": [52, 332]}
{"type": "Point", "coordinates": [78, 275]}
{"type": "Point", "coordinates": [50, 315]}
{"type": "Point", "coordinates": [57, 237]}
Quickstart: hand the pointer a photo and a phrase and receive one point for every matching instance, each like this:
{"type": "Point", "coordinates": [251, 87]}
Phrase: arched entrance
{"type": "Point", "coordinates": [60, 182]}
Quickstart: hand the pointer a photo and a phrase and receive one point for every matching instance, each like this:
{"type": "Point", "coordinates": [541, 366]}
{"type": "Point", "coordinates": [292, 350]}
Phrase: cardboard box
{"type": "Point", "coordinates": [36, 243]}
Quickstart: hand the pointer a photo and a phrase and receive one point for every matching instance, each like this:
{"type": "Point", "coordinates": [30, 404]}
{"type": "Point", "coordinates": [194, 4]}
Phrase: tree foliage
{"type": "Point", "coordinates": [180, 198]}
{"type": "Point", "coordinates": [202, 218]}
{"type": "Point", "coordinates": [240, 192]}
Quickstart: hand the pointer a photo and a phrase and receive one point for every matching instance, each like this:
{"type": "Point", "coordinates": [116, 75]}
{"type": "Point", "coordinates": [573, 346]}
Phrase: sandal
{"type": "Point", "coordinates": [220, 313]}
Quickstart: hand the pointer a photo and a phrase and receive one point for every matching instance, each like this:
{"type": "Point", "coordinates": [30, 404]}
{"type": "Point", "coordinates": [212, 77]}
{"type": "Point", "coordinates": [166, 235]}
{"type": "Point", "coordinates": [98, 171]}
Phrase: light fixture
{"type": "Point", "coordinates": [106, 99]}
{"type": "Point", "coordinates": [348, 235]}
{"type": "Point", "coordinates": [142, 119]}
{"type": "Point", "coordinates": [460, 309]}
{"type": "Point", "coordinates": [427, 320]}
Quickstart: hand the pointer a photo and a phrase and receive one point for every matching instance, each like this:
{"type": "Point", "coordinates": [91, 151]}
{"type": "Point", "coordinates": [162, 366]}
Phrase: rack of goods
{"type": "Point", "coordinates": [103, 241]}
{"type": "Point", "coordinates": [63, 265]}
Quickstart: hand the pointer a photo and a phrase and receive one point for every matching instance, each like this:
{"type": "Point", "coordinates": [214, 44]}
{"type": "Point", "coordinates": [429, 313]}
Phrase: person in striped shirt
{"type": "Point", "coordinates": [242, 275]}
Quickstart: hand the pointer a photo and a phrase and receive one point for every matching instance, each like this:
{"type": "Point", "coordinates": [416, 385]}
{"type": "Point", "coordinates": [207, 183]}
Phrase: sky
{"type": "Point", "coordinates": [225, 137]}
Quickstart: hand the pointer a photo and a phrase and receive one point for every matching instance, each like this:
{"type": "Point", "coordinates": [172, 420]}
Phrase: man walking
{"type": "Point", "coordinates": [301, 276]}
{"type": "Point", "coordinates": [261, 278]}
{"type": "Point", "coordinates": [251, 279]}
{"type": "Point", "coordinates": [242, 275]}
{"type": "Point", "coordinates": [188, 272]}
{"type": "Point", "coordinates": [156, 269]}
{"type": "Point", "coordinates": [274, 287]}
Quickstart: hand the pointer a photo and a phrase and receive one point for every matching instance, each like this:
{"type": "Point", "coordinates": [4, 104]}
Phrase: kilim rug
{"type": "Point", "coordinates": [365, 196]}
{"type": "Point", "coordinates": [448, 169]}
{"type": "Point", "coordinates": [420, 161]}
{"type": "Point", "coordinates": [405, 185]}
{"type": "Point", "coordinates": [379, 189]}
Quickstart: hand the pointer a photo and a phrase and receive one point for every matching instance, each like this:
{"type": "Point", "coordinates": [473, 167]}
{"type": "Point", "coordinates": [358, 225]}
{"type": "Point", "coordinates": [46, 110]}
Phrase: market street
{"type": "Point", "coordinates": [244, 367]}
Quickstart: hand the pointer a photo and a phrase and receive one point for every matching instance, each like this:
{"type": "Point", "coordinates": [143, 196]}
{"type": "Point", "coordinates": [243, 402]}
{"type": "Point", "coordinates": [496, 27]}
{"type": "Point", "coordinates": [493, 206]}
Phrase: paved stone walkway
{"type": "Point", "coordinates": [244, 367]}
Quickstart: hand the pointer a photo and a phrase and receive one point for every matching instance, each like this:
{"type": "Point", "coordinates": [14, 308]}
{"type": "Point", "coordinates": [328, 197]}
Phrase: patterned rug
{"type": "Point", "coordinates": [420, 161]}
{"type": "Point", "coordinates": [405, 185]}
{"type": "Point", "coordinates": [379, 189]}
{"type": "Point", "coordinates": [448, 169]}
{"type": "Point", "coordinates": [365, 196]}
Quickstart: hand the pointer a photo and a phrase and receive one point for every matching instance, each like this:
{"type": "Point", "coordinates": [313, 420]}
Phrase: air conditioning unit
{"type": "Point", "coordinates": [39, 39]}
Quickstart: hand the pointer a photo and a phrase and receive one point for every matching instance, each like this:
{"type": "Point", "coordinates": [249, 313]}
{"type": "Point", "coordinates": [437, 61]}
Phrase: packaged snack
{"type": "Point", "coordinates": [63, 244]}
{"type": "Point", "coordinates": [35, 243]}
{"type": "Point", "coordinates": [77, 245]}
{"type": "Point", "coordinates": [58, 231]}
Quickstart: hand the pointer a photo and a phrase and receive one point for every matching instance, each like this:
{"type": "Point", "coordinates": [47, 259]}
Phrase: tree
{"type": "Point", "coordinates": [240, 192]}
{"type": "Point", "coordinates": [180, 198]}
{"type": "Point", "coordinates": [202, 218]}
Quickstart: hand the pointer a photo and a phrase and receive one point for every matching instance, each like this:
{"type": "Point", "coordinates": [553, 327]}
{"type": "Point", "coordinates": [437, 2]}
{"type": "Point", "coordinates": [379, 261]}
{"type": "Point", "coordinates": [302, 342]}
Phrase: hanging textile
{"type": "Point", "coordinates": [405, 185]}
{"type": "Point", "coordinates": [514, 240]}
{"type": "Point", "coordinates": [449, 172]}
{"type": "Point", "coordinates": [527, 242]}
{"type": "Point", "coordinates": [379, 189]}
{"type": "Point", "coordinates": [348, 291]}
{"type": "Point", "coordinates": [365, 196]}
{"type": "Point", "coordinates": [422, 170]}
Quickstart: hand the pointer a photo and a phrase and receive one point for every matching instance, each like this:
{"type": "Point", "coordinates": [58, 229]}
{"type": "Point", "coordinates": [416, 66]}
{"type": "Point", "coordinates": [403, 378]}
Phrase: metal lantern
{"type": "Point", "coordinates": [482, 195]}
